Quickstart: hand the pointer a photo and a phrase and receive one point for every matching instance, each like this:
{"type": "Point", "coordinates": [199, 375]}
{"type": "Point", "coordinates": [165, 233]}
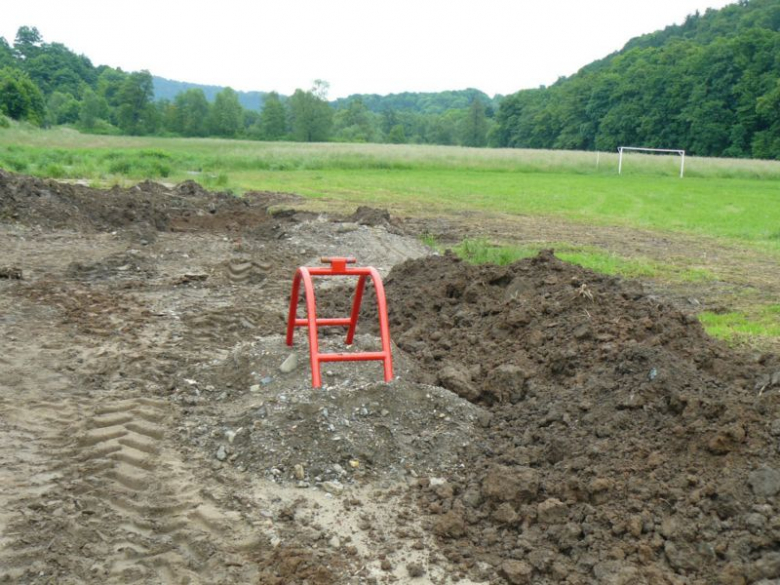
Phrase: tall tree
{"type": "Point", "coordinates": [28, 41]}
{"type": "Point", "coordinates": [311, 117]}
{"type": "Point", "coordinates": [136, 114]}
{"type": "Point", "coordinates": [20, 98]}
{"type": "Point", "coordinates": [273, 118]}
{"type": "Point", "coordinates": [226, 118]}
{"type": "Point", "coordinates": [355, 123]}
{"type": "Point", "coordinates": [62, 108]}
{"type": "Point", "coordinates": [475, 125]}
{"type": "Point", "coordinates": [93, 108]}
{"type": "Point", "coordinates": [191, 112]}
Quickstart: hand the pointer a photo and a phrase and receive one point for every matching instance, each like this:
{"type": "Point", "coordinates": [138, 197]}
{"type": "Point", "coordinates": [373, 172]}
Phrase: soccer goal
{"type": "Point", "coordinates": [621, 149]}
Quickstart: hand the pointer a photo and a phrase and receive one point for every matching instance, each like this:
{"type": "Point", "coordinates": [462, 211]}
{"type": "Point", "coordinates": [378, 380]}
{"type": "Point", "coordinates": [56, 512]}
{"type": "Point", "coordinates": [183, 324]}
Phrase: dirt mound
{"type": "Point", "coordinates": [626, 446]}
{"type": "Point", "coordinates": [277, 426]}
{"type": "Point", "coordinates": [372, 216]}
{"type": "Point", "coordinates": [148, 205]}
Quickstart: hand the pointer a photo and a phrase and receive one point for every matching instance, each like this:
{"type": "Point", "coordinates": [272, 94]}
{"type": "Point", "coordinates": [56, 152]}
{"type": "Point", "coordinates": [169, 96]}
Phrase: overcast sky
{"type": "Point", "coordinates": [359, 46]}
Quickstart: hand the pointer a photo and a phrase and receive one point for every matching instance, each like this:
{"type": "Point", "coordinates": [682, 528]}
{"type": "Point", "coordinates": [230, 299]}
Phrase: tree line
{"type": "Point", "coordinates": [710, 86]}
{"type": "Point", "coordinates": [47, 84]}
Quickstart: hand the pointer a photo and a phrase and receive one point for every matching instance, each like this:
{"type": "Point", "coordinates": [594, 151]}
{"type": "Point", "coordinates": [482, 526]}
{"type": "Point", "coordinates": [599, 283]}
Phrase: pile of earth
{"type": "Point", "coordinates": [626, 446]}
{"type": "Point", "coordinates": [184, 207]}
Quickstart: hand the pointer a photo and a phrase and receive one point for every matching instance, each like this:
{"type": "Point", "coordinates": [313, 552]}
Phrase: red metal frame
{"type": "Point", "coordinates": [338, 267]}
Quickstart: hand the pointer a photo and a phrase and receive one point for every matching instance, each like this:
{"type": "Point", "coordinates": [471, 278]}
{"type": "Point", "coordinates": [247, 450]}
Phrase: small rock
{"type": "Point", "coordinates": [267, 380]}
{"type": "Point", "coordinates": [552, 511]}
{"type": "Point", "coordinates": [765, 482]}
{"type": "Point", "coordinates": [600, 489]}
{"type": "Point", "coordinates": [505, 514]}
{"type": "Point", "coordinates": [450, 525]}
{"type": "Point", "coordinates": [221, 453]}
{"type": "Point", "coordinates": [289, 364]}
{"type": "Point", "coordinates": [508, 484]}
{"type": "Point", "coordinates": [458, 379]}
{"type": "Point", "coordinates": [254, 388]}
{"type": "Point", "coordinates": [354, 463]}
{"type": "Point", "coordinates": [415, 570]}
{"type": "Point", "coordinates": [516, 572]}
{"type": "Point", "coordinates": [386, 565]}
{"type": "Point", "coordinates": [298, 471]}
{"type": "Point", "coordinates": [333, 487]}
{"type": "Point", "coordinates": [334, 542]}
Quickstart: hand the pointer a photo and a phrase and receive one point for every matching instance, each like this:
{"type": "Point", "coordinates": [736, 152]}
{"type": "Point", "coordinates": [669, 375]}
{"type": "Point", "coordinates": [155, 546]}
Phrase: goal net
{"type": "Point", "coordinates": [622, 149]}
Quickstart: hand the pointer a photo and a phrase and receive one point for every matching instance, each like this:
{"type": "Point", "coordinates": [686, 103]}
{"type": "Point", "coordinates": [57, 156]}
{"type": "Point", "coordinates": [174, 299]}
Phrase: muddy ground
{"type": "Point", "coordinates": [546, 425]}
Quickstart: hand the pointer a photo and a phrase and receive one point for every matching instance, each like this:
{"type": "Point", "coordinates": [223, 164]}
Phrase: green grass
{"type": "Point", "coordinates": [739, 327]}
{"type": "Point", "coordinates": [733, 199]}
{"type": "Point", "coordinates": [480, 251]}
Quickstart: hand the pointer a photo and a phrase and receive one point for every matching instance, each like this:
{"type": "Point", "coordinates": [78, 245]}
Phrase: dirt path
{"type": "Point", "coordinates": [138, 447]}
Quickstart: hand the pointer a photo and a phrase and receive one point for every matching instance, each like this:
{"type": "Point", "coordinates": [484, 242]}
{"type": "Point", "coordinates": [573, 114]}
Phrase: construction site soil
{"type": "Point", "coordinates": [546, 424]}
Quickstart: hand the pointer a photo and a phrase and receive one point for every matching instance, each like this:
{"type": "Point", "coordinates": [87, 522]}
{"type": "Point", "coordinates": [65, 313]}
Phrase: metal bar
{"type": "Point", "coordinates": [353, 357]}
{"type": "Point", "coordinates": [311, 314]}
{"type": "Point", "coordinates": [678, 151]}
{"type": "Point", "coordinates": [361, 285]}
{"type": "Point", "coordinates": [324, 271]}
{"type": "Point", "coordinates": [325, 322]}
{"type": "Point", "coordinates": [384, 326]}
{"type": "Point", "coordinates": [291, 320]}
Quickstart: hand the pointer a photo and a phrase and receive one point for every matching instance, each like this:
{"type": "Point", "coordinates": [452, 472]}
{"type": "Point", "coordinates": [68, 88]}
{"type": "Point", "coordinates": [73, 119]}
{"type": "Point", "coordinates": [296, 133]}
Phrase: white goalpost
{"type": "Point", "coordinates": [638, 148]}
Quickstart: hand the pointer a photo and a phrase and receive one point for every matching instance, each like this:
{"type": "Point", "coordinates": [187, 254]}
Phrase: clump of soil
{"type": "Point", "coordinates": [625, 445]}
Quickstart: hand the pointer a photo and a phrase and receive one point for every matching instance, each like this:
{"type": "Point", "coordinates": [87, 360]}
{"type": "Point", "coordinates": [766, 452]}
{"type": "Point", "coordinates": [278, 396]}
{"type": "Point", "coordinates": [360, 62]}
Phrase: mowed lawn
{"type": "Point", "coordinates": [741, 209]}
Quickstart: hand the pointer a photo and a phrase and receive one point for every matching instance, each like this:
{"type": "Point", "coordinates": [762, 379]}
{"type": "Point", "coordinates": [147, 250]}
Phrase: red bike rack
{"type": "Point", "coordinates": [338, 267]}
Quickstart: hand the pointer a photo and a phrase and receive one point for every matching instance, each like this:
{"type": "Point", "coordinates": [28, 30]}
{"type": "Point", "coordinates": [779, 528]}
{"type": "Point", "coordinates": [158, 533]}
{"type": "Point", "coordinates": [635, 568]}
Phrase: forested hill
{"type": "Point", "coordinates": [168, 89]}
{"type": "Point", "coordinates": [710, 86]}
{"type": "Point", "coordinates": [416, 102]}
{"type": "Point", "coordinates": [419, 102]}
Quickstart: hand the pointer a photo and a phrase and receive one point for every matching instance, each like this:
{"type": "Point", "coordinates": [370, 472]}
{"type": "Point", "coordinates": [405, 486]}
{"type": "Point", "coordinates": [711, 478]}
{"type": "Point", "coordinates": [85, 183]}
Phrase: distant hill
{"type": "Point", "coordinates": [168, 89]}
{"type": "Point", "coordinates": [710, 85]}
{"type": "Point", "coordinates": [419, 102]}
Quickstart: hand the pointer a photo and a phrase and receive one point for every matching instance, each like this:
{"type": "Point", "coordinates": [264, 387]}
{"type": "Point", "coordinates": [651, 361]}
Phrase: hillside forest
{"type": "Point", "coordinates": [710, 86]}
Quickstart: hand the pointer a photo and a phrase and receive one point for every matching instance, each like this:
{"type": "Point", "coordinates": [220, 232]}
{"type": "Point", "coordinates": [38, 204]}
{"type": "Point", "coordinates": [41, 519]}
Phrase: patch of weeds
{"type": "Point", "coordinates": [119, 166]}
{"type": "Point", "coordinates": [480, 251]}
{"type": "Point", "coordinates": [54, 171]}
{"type": "Point", "coordinates": [429, 240]}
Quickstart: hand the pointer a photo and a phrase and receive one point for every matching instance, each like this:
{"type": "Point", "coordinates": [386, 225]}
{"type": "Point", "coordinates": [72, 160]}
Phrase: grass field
{"type": "Point", "coordinates": [736, 202]}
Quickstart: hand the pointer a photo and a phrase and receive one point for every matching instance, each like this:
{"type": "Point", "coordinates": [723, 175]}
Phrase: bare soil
{"type": "Point", "coordinates": [546, 425]}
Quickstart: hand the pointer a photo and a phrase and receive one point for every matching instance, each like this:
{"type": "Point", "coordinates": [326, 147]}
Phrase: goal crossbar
{"type": "Point", "coordinates": [639, 148]}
